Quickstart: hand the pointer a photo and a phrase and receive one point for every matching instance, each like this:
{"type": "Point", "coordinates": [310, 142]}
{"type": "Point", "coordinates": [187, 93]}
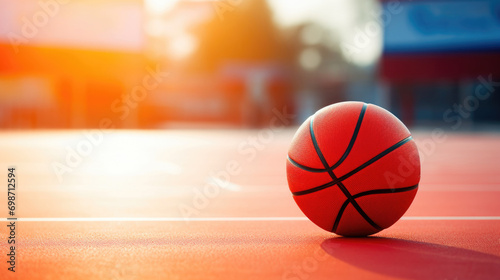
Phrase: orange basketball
{"type": "Point", "coordinates": [353, 168]}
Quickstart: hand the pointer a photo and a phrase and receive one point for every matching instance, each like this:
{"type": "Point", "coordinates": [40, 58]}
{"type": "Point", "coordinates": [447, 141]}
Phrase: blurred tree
{"type": "Point", "coordinates": [242, 31]}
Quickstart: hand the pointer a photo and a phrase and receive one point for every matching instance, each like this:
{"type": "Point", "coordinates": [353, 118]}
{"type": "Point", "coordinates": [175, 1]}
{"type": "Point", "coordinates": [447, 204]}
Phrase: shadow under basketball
{"type": "Point", "coordinates": [413, 260]}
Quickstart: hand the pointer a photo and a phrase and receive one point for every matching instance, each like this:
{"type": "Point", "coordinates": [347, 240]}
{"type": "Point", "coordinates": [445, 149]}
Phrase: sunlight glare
{"type": "Point", "coordinates": [182, 46]}
{"type": "Point", "coordinates": [159, 7]}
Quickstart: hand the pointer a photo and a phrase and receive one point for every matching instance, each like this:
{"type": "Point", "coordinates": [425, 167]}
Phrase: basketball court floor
{"type": "Point", "coordinates": [215, 204]}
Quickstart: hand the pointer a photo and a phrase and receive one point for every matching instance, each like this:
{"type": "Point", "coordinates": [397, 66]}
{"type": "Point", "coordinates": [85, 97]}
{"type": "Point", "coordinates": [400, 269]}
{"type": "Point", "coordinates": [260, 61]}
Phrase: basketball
{"type": "Point", "coordinates": [353, 168]}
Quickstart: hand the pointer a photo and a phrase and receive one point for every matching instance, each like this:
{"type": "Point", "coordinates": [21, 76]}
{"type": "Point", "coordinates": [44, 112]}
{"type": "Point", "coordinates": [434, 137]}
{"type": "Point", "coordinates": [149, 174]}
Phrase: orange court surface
{"type": "Point", "coordinates": [213, 204]}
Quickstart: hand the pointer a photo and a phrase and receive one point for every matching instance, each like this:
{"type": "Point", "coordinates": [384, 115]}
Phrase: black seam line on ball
{"type": "Point", "coordinates": [346, 153]}
{"type": "Point", "coordinates": [339, 182]}
{"type": "Point", "coordinates": [385, 191]}
{"type": "Point", "coordinates": [381, 191]}
{"type": "Point", "coordinates": [377, 157]}
{"type": "Point", "coordinates": [356, 170]}
{"type": "Point", "coordinates": [306, 168]}
{"type": "Point", "coordinates": [339, 215]}
{"type": "Point", "coordinates": [353, 138]}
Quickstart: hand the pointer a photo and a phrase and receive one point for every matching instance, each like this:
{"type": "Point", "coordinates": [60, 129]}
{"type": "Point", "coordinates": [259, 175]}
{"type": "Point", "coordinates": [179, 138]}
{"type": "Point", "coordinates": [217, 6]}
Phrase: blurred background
{"type": "Point", "coordinates": [234, 63]}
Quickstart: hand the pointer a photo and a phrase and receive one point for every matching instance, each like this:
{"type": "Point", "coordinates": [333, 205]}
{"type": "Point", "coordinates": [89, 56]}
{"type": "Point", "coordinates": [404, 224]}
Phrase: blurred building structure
{"type": "Point", "coordinates": [84, 64]}
{"type": "Point", "coordinates": [62, 64]}
{"type": "Point", "coordinates": [437, 55]}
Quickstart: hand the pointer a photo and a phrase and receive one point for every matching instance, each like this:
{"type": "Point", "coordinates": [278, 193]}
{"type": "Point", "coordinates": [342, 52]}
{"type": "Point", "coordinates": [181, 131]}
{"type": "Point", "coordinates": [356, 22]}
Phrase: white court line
{"type": "Point", "coordinates": [239, 219]}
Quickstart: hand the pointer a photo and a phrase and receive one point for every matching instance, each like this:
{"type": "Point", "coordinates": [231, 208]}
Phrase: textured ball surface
{"type": "Point", "coordinates": [353, 168]}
